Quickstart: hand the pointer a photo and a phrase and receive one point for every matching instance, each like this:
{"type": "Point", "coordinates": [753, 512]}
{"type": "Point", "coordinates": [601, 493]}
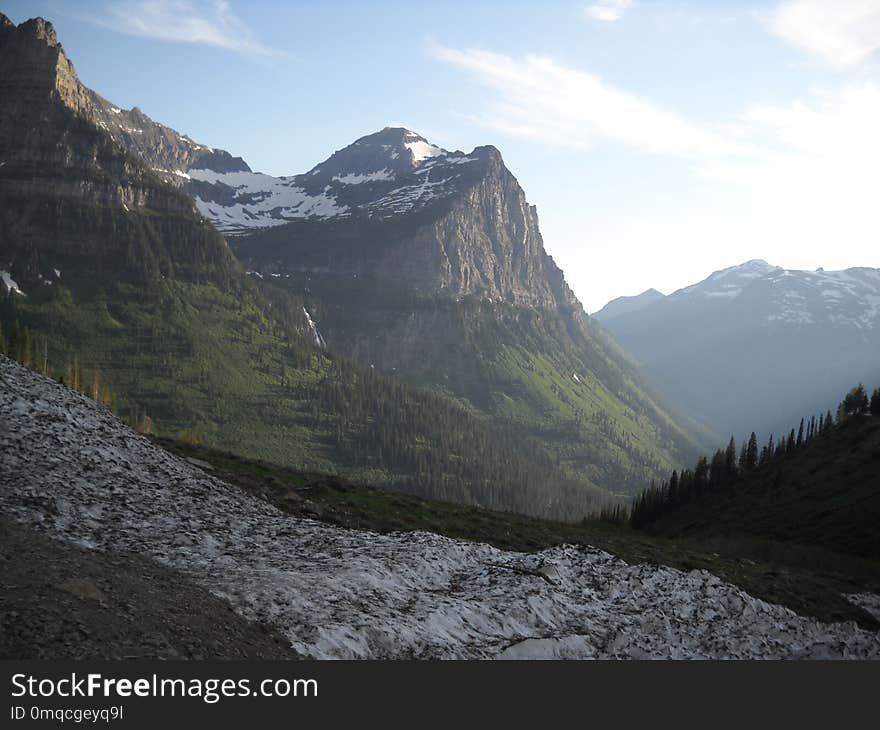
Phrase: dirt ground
{"type": "Point", "coordinates": [59, 601]}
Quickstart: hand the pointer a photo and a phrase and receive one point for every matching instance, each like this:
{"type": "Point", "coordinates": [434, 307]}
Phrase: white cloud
{"type": "Point", "coordinates": [542, 100]}
{"type": "Point", "coordinates": [608, 10]}
{"type": "Point", "coordinates": [210, 22]}
{"type": "Point", "coordinates": [793, 182]}
{"type": "Point", "coordinates": [842, 32]}
{"type": "Point", "coordinates": [817, 169]}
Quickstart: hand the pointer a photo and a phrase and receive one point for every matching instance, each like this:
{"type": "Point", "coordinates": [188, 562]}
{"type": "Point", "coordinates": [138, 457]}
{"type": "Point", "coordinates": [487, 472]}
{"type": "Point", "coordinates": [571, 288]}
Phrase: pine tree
{"type": "Point", "coordinates": [730, 459]}
{"type": "Point", "coordinates": [752, 452]}
{"type": "Point", "coordinates": [875, 401]}
{"type": "Point", "coordinates": [855, 403]}
{"type": "Point", "coordinates": [800, 435]}
{"type": "Point", "coordinates": [26, 350]}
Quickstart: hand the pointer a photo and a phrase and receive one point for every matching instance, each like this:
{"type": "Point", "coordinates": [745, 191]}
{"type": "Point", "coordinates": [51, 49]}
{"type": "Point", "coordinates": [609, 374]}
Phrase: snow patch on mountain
{"type": "Point", "coordinates": [389, 173]}
{"type": "Point", "coordinates": [354, 178]}
{"type": "Point", "coordinates": [422, 150]}
{"type": "Point", "coordinates": [262, 201]}
{"type": "Point", "coordinates": [72, 470]}
{"type": "Point", "coordinates": [850, 298]}
{"type": "Point", "coordinates": [11, 286]}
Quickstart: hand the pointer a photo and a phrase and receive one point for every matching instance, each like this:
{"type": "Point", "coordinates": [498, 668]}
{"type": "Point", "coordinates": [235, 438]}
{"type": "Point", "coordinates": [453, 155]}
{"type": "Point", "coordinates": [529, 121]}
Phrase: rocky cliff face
{"type": "Point", "coordinates": [444, 224]}
{"type": "Point", "coordinates": [69, 189]}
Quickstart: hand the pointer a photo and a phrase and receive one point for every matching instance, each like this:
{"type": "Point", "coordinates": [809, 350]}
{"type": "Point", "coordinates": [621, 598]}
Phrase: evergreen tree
{"type": "Point", "coordinates": [26, 349]}
{"type": "Point", "coordinates": [829, 422]}
{"type": "Point", "coordinates": [854, 404]}
{"type": "Point", "coordinates": [800, 435]}
{"type": "Point", "coordinates": [730, 460]}
{"type": "Point", "coordinates": [875, 401]}
{"type": "Point", "coordinates": [701, 475]}
{"type": "Point", "coordinates": [752, 452]}
{"type": "Point", "coordinates": [673, 487]}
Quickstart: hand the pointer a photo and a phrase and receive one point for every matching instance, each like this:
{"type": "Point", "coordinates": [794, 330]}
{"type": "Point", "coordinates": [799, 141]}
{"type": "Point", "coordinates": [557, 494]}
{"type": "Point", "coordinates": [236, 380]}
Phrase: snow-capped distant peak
{"type": "Point", "coordinates": [729, 283]}
{"type": "Point", "coordinates": [850, 297]}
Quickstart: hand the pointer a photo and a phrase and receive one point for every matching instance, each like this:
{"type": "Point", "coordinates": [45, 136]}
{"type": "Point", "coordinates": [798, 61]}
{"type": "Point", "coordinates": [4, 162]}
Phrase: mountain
{"type": "Point", "coordinates": [67, 189]}
{"type": "Point", "coordinates": [114, 282]}
{"type": "Point", "coordinates": [755, 346]}
{"type": "Point", "coordinates": [428, 265]}
{"type": "Point", "coordinates": [625, 305]}
{"type": "Point", "coordinates": [72, 473]}
{"type": "Point", "coordinates": [433, 269]}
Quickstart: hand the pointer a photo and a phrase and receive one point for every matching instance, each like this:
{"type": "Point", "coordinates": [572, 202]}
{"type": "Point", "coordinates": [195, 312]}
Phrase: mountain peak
{"type": "Point", "coordinates": [626, 305]}
{"type": "Point", "coordinates": [38, 29]}
{"type": "Point", "coordinates": [33, 64]}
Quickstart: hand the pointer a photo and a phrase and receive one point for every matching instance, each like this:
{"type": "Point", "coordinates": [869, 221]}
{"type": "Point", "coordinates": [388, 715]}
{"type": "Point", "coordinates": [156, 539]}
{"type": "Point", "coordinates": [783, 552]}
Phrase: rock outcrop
{"type": "Point", "coordinates": [69, 188]}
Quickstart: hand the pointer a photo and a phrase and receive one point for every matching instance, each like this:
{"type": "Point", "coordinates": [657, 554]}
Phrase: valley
{"type": "Point", "coordinates": [359, 412]}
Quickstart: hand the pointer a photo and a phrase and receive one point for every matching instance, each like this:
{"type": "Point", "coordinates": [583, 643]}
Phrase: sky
{"type": "Point", "coordinates": [660, 140]}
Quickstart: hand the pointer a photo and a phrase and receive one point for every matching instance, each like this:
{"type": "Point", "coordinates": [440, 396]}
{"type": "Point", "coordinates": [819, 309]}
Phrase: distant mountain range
{"type": "Point", "coordinates": [755, 346]}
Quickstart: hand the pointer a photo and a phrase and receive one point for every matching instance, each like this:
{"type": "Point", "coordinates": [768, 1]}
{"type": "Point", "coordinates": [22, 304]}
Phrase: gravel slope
{"type": "Point", "coordinates": [59, 601]}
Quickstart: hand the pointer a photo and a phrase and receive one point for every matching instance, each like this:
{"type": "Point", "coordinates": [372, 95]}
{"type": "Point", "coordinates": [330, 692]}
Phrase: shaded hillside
{"type": "Point", "coordinates": [822, 491]}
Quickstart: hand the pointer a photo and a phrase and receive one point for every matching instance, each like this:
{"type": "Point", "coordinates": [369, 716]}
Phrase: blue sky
{"type": "Point", "coordinates": [660, 140]}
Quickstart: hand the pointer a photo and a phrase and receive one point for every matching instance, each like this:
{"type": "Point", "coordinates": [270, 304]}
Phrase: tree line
{"type": "Point", "coordinates": [19, 344]}
{"type": "Point", "coordinates": [729, 465]}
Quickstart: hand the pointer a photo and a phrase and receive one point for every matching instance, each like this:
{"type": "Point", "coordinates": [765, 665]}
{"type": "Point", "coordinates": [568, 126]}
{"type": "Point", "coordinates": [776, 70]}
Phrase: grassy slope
{"type": "Point", "coordinates": [827, 494]}
{"type": "Point", "coordinates": [513, 364]}
{"type": "Point", "coordinates": [810, 581]}
{"type": "Point", "coordinates": [214, 366]}
{"type": "Point", "coordinates": [193, 357]}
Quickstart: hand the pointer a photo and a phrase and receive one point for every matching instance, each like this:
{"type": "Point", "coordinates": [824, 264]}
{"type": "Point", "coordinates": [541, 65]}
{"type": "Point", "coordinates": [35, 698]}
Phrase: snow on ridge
{"type": "Point", "coordinates": [356, 178]}
{"type": "Point", "coordinates": [269, 201]}
{"type": "Point", "coordinates": [177, 173]}
{"type": "Point", "coordinates": [72, 470]}
{"type": "Point", "coordinates": [422, 150]}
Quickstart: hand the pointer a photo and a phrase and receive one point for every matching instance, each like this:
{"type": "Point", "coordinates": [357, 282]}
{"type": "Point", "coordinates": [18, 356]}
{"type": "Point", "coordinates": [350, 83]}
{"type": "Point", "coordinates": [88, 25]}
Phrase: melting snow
{"type": "Point", "coordinates": [269, 201]}
{"type": "Point", "coordinates": [353, 178]}
{"type": "Point", "coordinates": [422, 150]}
{"type": "Point", "coordinates": [11, 286]}
{"type": "Point", "coordinates": [72, 470]}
